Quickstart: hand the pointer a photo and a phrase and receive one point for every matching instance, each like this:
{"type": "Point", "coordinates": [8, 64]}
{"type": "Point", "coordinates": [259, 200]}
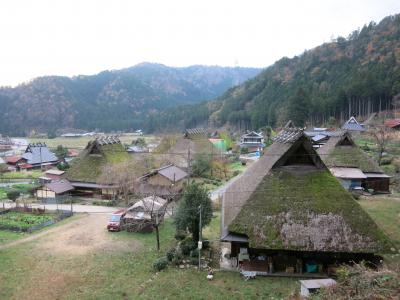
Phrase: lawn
{"type": "Point", "coordinates": [386, 213]}
{"type": "Point", "coordinates": [9, 236]}
{"type": "Point", "coordinates": [125, 275]}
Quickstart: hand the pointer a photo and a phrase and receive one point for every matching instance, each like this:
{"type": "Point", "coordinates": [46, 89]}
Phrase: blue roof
{"type": "Point", "coordinates": [39, 154]}
{"type": "Point", "coordinates": [353, 125]}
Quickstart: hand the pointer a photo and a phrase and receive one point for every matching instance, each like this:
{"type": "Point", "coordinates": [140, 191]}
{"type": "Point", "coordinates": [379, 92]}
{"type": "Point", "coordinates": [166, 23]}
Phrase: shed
{"type": "Point", "coordinates": [55, 188]}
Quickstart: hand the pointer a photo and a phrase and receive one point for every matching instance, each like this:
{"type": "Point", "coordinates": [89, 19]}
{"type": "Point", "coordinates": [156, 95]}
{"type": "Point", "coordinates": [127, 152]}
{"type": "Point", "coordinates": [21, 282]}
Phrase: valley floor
{"type": "Point", "coordinates": [79, 259]}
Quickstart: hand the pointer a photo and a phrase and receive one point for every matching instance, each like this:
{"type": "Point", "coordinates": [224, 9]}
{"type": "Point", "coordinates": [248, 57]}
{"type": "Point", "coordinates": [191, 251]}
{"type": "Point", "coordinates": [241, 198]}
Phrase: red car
{"type": "Point", "coordinates": [115, 222]}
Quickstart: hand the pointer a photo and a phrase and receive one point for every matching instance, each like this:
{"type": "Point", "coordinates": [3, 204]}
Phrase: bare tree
{"type": "Point", "coordinates": [382, 135]}
{"type": "Point", "coordinates": [122, 177]}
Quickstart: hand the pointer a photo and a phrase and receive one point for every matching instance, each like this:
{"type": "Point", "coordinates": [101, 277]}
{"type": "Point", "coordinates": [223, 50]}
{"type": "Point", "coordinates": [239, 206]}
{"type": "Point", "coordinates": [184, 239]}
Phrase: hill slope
{"type": "Point", "coordinates": [349, 76]}
{"type": "Point", "coordinates": [111, 100]}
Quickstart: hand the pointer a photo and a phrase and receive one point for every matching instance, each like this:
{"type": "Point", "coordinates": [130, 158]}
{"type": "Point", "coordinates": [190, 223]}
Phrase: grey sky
{"type": "Point", "coordinates": [72, 37]}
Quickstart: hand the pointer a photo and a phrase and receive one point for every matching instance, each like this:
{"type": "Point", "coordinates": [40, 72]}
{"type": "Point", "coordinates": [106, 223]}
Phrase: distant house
{"type": "Point", "coordinates": [253, 141]}
{"type": "Point", "coordinates": [193, 142]}
{"type": "Point", "coordinates": [38, 155]}
{"type": "Point", "coordinates": [54, 174]}
{"type": "Point", "coordinates": [86, 169]}
{"type": "Point", "coordinates": [163, 182]}
{"type": "Point", "coordinates": [352, 166]}
{"type": "Point", "coordinates": [393, 124]}
{"type": "Point", "coordinates": [54, 189]}
{"type": "Point", "coordinates": [353, 125]}
{"type": "Point", "coordinates": [288, 215]}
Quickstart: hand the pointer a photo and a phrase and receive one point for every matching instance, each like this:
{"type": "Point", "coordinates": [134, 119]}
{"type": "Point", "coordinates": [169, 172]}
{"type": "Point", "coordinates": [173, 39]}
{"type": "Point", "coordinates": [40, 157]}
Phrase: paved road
{"type": "Point", "coordinates": [75, 207]}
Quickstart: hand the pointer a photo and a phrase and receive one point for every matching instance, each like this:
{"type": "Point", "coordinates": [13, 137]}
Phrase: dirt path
{"type": "Point", "coordinates": [78, 237]}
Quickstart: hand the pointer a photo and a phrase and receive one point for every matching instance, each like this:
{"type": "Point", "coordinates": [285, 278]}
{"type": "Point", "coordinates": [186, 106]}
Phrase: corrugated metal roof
{"type": "Point", "coordinates": [348, 173]}
{"type": "Point", "coordinates": [376, 175]}
{"type": "Point", "coordinates": [60, 187]}
{"type": "Point", "coordinates": [173, 173]}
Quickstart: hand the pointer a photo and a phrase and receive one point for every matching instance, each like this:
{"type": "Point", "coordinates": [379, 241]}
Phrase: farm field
{"type": "Point", "coordinates": [81, 142]}
{"type": "Point", "coordinates": [23, 221]}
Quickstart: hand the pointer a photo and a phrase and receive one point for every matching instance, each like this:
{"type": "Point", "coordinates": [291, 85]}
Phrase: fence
{"type": "Point", "coordinates": [61, 215]}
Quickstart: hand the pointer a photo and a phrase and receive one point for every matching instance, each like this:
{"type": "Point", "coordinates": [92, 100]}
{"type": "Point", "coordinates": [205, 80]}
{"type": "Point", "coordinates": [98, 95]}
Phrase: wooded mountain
{"type": "Point", "coordinates": [111, 100]}
{"type": "Point", "coordinates": [356, 75]}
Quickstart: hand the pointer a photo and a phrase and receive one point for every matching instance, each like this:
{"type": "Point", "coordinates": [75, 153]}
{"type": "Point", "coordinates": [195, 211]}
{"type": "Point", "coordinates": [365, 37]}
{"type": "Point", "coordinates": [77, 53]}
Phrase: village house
{"type": "Point", "coordinates": [164, 182]}
{"type": "Point", "coordinates": [54, 189]}
{"type": "Point", "coordinates": [287, 215]}
{"type": "Point", "coordinates": [252, 141]}
{"type": "Point", "coordinates": [393, 124]}
{"type": "Point", "coordinates": [86, 169]}
{"type": "Point", "coordinates": [353, 125]}
{"type": "Point", "coordinates": [351, 165]}
{"type": "Point", "coordinates": [36, 156]}
{"type": "Point", "coordinates": [193, 142]}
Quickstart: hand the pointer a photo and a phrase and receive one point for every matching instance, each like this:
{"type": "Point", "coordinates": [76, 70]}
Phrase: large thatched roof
{"type": "Point", "coordinates": [98, 153]}
{"type": "Point", "coordinates": [341, 151]}
{"type": "Point", "coordinates": [289, 200]}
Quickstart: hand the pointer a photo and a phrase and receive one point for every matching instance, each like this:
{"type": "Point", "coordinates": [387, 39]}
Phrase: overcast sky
{"type": "Point", "coordinates": [68, 37]}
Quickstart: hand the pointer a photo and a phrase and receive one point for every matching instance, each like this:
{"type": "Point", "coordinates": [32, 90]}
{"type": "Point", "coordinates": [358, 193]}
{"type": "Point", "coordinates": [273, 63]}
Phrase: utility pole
{"type": "Point", "coordinates": [200, 243]}
{"type": "Point", "coordinates": [188, 164]}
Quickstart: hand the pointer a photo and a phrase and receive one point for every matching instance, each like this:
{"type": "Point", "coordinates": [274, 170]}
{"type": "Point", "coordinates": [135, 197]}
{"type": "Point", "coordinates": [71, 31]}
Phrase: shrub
{"type": "Point", "coordinates": [160, 264]}
{"type": "Point", "coordinates": [236, 173]}
{"type": "Point", "coordinates": [180, 235]}
{"type": "Point", "coordinates": [206, 244]}
{"type": "Point", "coordinates": [13, 194]}
{"type": "Point", "coordinates": [194, 253]}
{"type": "Point", "coordinates": [386, 161]}
{"type": "Point", "coordinates": [194, 261]}
{"type": "Point", "coordinates": [171, 253]}
{"type": "Point", "coordinates": [187, 245]}
{"type": "Point", "coordinates": [177, 259]}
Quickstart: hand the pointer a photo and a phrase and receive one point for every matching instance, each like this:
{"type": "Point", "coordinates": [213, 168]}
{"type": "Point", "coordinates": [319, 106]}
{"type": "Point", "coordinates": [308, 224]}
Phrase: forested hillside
{"type": "Point", "coordinates": [356, 75]}
{"type": "Point", "coordinates": [111, 100]}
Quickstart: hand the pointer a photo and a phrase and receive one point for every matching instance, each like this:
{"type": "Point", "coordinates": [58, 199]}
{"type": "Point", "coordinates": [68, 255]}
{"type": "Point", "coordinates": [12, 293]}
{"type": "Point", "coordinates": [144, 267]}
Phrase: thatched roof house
{"type": "Point", "coordinates": [86, 169]}
{"type": "Point", "coordinates": [192, 143]}
{"type": "Point", "coordinates": [289, 201]}
{"type": "Point", "coordinates": [342, 155]}
{"type": "Point", "coordinates": [353, 125]}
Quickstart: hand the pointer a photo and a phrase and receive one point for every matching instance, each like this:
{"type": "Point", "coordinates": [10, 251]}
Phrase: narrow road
{"type": "Point", "coordinates": [75, 207]}
{"type": "Point", "coordinates": [221, 190]}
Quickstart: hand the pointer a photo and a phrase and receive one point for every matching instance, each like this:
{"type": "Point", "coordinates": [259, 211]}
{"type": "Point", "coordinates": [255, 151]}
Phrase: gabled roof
{"type": "Point", "coordinates": [392, 123]}
{"type": "Point", "coordinates": [12, 159]}
{"type": "Point", "coordinates": [352, 124]}
{"type": "Point", "coordinates": [171, 172]}
{"type": "Point", "coordinates": [87, 167]}
{"type": "Point", "coordinates": [289, 200]}
{"type": "Point", "coordinates": [252, 134]}
{"type": "Point", "coordinates": [38, 154]}
{"type": "Point", "coordinates": [194, 132]}
{"type": "Point", "coordinates": [60, 187]}
{"type": "Point", "coordinates": [341, 151]}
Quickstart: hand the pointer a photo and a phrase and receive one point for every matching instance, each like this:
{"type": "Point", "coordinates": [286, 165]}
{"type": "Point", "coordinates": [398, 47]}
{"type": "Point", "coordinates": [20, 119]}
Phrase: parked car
{"type": "Point", "coordinates": [116, 220]}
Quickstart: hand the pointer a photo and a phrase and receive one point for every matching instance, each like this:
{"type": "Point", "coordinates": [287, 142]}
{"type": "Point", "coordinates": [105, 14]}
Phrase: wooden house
{"type": "Point", "coordinates": [164, 182]}
{"type": "Point", "coordinates": [86, 169]}
{"type": "Point", "coordinates": [253, 141]}
{"type": "Point", "coordinates": [54, 189]}
{"type": "Point", "coordinates": [352, 165]}
{"type": "Point", "coordinates": [288, 215]}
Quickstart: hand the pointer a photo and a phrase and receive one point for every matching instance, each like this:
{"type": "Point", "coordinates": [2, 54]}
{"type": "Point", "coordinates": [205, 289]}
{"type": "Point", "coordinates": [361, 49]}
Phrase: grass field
{"type": "Point", "coordinates": [107, 274]}
{"type": "Point", "coordinates": [9, 236]}
{"type": "Point", "coordinates": [21, 175]}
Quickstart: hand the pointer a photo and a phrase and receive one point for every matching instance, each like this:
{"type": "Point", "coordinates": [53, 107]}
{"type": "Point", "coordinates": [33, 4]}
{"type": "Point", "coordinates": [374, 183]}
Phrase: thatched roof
{"type": "Point", "coordinates": [341, 151]}
{"type": "Point", "coordinates": [289, 200]}
{"type": "Point", "coordinates": [98, 153]}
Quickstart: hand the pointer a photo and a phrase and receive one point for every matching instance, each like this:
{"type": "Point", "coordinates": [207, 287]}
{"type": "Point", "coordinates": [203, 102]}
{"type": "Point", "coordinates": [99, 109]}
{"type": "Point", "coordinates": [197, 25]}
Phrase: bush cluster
{"type": "Point", "coordinates": [187, 245]}
{"type": "Point", "coordinates": [160, 263]}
